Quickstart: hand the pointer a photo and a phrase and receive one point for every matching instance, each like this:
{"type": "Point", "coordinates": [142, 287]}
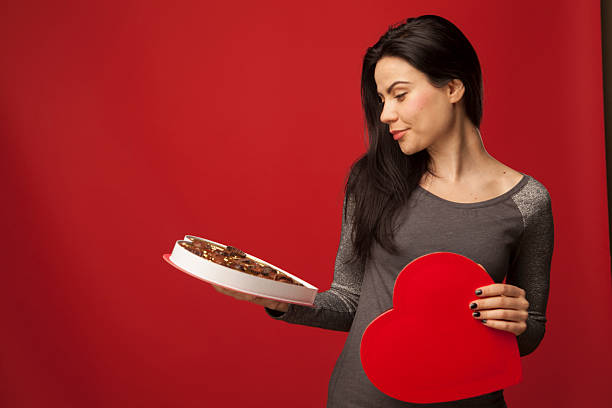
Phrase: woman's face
{"type": "Point", "coordinates": [426, 111]}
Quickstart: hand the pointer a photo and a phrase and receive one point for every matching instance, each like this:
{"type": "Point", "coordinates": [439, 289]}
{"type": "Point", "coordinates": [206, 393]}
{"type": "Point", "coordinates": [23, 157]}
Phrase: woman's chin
{"type": "Point", "coordinates": [405, 148]}
{"type": "Point", "coordinates": [408, 148]}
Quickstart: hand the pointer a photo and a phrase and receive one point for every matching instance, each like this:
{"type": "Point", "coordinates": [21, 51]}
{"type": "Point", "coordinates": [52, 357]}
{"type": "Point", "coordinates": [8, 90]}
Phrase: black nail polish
{"type": "Point", "coordinates": [476, 314]}
{"type": "Point", "coordinates": [479, 291]}
{"type": "Point", "coordinates": [473, 305]}
{"type": "Point", "coordinates": [484, 320]}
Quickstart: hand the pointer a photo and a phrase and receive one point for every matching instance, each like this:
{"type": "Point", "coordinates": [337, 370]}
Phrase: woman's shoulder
{"type": "Point", "coordinates": [531, 190]}
{"type": "Point", "coordinates": [533, 199]}
{"type": "Point", "coordinates": [535, 189]}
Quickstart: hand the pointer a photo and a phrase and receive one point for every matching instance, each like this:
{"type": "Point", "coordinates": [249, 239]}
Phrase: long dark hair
{"type": "Point", "coordinates": [381, 181]}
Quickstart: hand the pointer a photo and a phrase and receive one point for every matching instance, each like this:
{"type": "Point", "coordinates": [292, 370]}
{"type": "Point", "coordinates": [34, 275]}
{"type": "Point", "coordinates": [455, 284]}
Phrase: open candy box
{"type": "Point", "coordinates": [234, 269]}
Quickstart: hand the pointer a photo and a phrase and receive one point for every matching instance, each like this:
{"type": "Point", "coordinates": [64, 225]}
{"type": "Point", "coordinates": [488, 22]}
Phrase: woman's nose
{"type": "Point", "coordinates": [387, 115]}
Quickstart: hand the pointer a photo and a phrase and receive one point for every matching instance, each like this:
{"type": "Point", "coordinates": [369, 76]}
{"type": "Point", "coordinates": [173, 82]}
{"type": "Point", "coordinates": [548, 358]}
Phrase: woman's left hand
{"type": "Point", "coordinates": [502, 307]}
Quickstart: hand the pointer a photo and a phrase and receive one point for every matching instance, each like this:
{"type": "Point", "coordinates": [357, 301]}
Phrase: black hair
{"type": "Point", "coordinates": [381, 181]}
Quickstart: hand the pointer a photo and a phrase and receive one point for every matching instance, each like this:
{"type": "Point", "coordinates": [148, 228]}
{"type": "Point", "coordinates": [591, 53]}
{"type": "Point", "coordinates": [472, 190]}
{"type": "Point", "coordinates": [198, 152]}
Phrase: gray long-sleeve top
{"type": "Point", "coordinates": [510, 235]}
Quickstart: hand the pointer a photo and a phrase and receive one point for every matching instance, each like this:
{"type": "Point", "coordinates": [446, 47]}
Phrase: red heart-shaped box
{"type": "Point", "coordinates": [428, 348]}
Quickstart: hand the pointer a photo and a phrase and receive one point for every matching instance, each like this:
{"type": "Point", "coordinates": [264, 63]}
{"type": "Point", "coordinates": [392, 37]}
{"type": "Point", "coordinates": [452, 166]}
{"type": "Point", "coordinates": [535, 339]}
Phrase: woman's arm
{"type": "Point", "coordinates": [335, 308]}
{"type": "Point", "coordinates": [530, 269]}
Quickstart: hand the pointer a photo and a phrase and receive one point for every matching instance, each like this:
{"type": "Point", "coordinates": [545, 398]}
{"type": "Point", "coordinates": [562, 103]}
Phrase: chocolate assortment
{"type": "Point", "coordinates": [236, 259]}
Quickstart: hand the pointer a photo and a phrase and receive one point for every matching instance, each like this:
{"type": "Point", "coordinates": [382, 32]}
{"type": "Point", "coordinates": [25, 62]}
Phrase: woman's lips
{"type": "Point", "coordinates": [398, 136]}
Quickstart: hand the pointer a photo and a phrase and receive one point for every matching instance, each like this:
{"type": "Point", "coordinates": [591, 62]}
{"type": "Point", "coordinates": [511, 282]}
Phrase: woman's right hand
{"type": "Point", "coordinates": [269, 303]}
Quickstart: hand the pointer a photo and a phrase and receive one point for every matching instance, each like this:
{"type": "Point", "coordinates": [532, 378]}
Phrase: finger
{"type": "Point", "coordinates": [500, 302]}
{"type": "Point", "coordinates": [219, 289]}
{"type": "Point", "coordinates": [230, 292]}
{"type": "Point", "coordinates": [513, 327]}
{"type": "Point", "coordinates": [262, 302]}
{"type": "Point", "coordinates": [501, 314]}
{"type": "Point", "coordinates": [269, 303]}
{"type": "Point", "coordinates": [500, 289]}
{"type": "Point", "coordinates": [272, 304]}
{"type": "Point", "coordinates": [226, 291]}
{"type": "Point", "coordinates": [242, 296]}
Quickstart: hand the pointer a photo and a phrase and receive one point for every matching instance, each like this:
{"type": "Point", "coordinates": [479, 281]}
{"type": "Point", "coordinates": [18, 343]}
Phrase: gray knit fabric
{"type": "Point", "coordinates": [511, 235]}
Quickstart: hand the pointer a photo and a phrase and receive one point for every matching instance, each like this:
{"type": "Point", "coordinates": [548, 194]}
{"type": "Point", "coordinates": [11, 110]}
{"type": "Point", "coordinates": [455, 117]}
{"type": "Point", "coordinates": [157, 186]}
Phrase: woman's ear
{"type": "Point", "coordinates": [455, 90]}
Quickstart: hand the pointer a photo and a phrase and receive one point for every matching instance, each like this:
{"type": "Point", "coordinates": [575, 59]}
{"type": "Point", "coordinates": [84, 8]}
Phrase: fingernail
{"type": "Point", "coordinates": [476, 314]}
{"type": "Point", "coordinates": [479, 291]}
{"type": "Point", "coordinates": [473, 305]}
{"type": "Point", "coordinates": [484, 320]}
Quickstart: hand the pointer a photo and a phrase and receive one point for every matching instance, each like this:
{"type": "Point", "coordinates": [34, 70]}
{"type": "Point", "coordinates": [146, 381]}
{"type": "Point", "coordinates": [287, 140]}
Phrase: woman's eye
{"type": "Point", "coordinates": [399, 97]}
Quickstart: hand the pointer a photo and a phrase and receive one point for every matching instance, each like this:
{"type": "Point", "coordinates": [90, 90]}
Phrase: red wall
{"type": "Point", "coordinates": [125, 125]}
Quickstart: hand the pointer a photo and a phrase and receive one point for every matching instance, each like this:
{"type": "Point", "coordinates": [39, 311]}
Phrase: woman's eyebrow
{"type": "Point", "coordinates": [395, 83]}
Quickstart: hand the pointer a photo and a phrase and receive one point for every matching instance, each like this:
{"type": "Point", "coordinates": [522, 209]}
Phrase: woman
{"type": "Point", "coordinates": [427, 184]}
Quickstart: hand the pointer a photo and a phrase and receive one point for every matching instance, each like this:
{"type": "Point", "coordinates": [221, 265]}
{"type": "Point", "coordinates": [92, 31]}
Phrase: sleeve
{"type": "Point", "coordinates": [530, 270]}
{"type": "Point", "coordinates": [335, 308]}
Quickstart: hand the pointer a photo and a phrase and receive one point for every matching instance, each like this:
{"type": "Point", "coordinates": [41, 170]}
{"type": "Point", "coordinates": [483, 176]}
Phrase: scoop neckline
{"type": "Point", "coordinates": [484, 203]}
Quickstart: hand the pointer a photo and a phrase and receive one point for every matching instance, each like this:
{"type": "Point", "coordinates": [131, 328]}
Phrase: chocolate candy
{"type": "Point", "coordinates": [234, 258]}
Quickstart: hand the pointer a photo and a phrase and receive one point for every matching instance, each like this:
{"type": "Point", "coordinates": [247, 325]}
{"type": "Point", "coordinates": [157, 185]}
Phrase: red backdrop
{"type": "Point", "coordinates": [127, 124]}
